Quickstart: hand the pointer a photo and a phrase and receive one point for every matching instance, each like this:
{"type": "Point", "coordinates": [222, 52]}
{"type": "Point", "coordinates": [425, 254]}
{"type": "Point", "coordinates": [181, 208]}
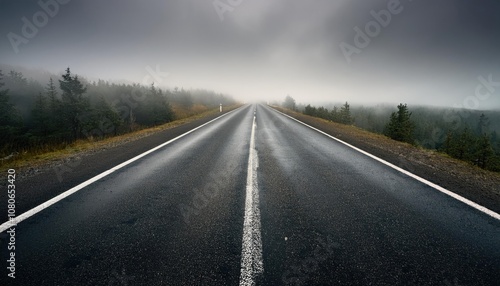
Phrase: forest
{"type": "Point", "coordinates": [49, 115]}
{"type": "Point", "coordinates": [468, 135]}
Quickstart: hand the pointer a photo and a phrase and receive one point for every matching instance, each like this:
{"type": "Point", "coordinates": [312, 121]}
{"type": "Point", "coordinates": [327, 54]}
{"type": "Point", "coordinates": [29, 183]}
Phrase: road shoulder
{"type": "Point", "coordinates": [471, 182]}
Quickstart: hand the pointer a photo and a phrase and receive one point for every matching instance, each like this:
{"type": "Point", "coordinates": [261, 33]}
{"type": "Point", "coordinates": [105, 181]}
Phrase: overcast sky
{"type": "Point", "coordinates": [417, 52]}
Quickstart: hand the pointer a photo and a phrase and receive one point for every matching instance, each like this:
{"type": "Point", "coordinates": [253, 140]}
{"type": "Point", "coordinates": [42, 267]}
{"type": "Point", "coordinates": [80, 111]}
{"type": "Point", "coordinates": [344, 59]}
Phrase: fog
{"type": "Point", "coordinates": [441, 53]}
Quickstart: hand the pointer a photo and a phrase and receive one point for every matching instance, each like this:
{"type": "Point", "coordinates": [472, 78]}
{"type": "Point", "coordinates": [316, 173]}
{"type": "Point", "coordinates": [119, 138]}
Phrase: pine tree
{"type": "Point", "coordinates": [51, 92]}
{"type": "Point", "coordinates": [101, 120]}
{"type": "Point", "coordinates": [155, 109]}
{"type": "Point", "coordinates": [310, 110]}
{"type": "Point", "coordinates": [9, 116]}
{"type": "Point", "coordinates": [74, 104]}
{"type": "Point", "coordinates": [110, 120]}
{"type": "Point", "coordinates": [162, 109]}
{"type": "Point", "coordinates": [448, 145]}
{"type": "Point", "coordinates": [17, 78]}
{"type": "Point", "coordinates": [345, 114]}
{"type": "Point", "coordinates": [5, 105]}
{"type": "Point", "coordinates": [400, 126]}
{"type": "Point", "coordinates": [465, 146]}
{"type": "Point", "coordinates": [323, 113]}
{"type": "Point", "coordinates": [484, 152]}
{"type": "Point", "coordinates": [483, 125]}
{"type": "Point", "coordinates": [10, 120]}
{"type": "Point", "coordinates": [54, 108]}
{"type": "Point", "coordinates": [335, 114]}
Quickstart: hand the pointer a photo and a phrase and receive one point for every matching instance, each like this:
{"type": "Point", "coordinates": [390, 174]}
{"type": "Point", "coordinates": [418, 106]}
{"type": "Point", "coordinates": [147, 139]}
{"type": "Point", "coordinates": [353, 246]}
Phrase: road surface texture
{"type": "Point", "coordinates": [252, 198]}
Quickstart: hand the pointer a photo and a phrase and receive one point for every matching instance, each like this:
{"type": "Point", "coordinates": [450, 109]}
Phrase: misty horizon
{"type": "Point", "coordinates": [382, 52]}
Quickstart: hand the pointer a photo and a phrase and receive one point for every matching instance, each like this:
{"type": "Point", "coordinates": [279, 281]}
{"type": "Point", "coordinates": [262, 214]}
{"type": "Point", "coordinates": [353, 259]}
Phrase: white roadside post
{"type": "Point", "coordinates": [220, 107]}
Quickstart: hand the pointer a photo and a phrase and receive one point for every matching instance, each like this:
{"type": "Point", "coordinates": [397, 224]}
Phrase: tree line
{"type": "Point", "coordinates": [71, 108]}
{"type": "Point", "coordinates": [477, 145]}
{"type": "Point", "coordinates": [462, 134]}
{"type": "Point", "coordinates": [342, 115]}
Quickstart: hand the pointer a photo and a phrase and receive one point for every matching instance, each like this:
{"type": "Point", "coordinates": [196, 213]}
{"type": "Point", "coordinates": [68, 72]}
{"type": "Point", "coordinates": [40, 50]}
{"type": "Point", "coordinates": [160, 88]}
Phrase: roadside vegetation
{"type": "Point", "coordinates": [468, 135]}
{"type": "Point", "coordinates": [67, 112]}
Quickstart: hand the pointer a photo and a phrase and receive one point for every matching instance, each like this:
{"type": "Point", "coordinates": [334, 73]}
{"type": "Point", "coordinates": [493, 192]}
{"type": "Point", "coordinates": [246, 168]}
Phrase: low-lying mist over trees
{"type": "Point", "coordinates": [67, 108]}
{"type": "Point", "coordinates": [468, 135]}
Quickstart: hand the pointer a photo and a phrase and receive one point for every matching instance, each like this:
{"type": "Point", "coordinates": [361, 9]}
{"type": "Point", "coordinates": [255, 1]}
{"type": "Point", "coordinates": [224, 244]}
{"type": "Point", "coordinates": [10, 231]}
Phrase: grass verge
{"type": "Point", "coordinates": [34, 158]}
{"type": "Point", "coordinates": [404, 155]}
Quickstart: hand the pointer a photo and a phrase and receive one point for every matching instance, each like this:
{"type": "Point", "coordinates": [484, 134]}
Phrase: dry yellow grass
{"type": "Point", "coordinates": [183, 112]}
{"type": "Point", "coordinates": [43, 155]}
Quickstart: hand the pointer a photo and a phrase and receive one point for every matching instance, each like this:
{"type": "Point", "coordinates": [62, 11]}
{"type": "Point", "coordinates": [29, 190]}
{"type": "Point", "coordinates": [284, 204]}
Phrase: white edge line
{"type": "Point", "coordinates": [11, 223]}
{"type": "Point", "coordinates": [418, 178]}
{"type": "Point", "coordinates": [251, 252]}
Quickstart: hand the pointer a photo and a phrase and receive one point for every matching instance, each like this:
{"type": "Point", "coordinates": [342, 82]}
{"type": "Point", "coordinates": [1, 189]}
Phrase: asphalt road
{"type": "Point", "coordinates": [255, 197]}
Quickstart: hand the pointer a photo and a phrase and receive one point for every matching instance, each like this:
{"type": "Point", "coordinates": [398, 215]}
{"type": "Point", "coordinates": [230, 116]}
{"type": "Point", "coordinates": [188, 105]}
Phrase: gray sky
{"type": "Point", "coordinates": [429, 52]}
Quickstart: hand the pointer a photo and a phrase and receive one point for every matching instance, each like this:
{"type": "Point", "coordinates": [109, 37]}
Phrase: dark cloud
{"type": "Point", "coordinates": [432, 52]}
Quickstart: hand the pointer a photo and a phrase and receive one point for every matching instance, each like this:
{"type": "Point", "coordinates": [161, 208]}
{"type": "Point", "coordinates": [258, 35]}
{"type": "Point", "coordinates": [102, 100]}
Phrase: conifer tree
{"type": "Point", "coordinates": [483, 125]}
{"type": "Point", "coordinates": [108, 117]}
{"type": "Point", "coordinates": [310, 110]}
{"type": "Point", "coordinates": [464, 147]}
{"type": "Point", "coordinates": [5, 105]}
{"type": "Point", "coordinates": [53, 108]}
{"type": "Point", "coordinates": [10, 120]}
{"type": "Point", "coordinates": [345, 114]}
{"type": "Point", "coordinates": [335, 114]}
{"type": "Point", "coordinates": [74, 104]}
{"type": "Point", "coordinates": [484, 151]}
{"type": "Point", "coordinates": [400, 126]}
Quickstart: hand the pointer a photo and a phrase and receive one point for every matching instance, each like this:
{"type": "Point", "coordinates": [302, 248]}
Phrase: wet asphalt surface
{"type": "Point", "coordinates": [329, 216]}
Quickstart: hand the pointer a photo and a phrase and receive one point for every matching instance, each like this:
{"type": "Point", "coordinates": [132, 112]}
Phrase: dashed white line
{"type": "Point", "coordinates": [418, 178]}
{"type": "Point", "coordinates": [33, 211]}
{"type": "Point", "coordinates": [251, 256]}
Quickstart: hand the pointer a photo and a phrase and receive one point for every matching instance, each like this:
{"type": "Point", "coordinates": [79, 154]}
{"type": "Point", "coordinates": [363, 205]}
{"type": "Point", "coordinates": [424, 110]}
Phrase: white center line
{"type": "Point", "coordinates": [251, 256]}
